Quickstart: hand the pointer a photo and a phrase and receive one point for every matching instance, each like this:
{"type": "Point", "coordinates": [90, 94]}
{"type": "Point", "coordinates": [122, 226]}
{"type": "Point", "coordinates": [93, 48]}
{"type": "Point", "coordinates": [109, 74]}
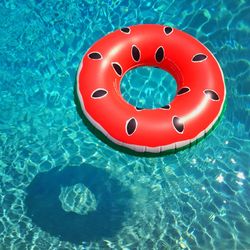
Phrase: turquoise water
{"type": "Point", "coordinates": [63, 187]}
{"type": "Point", "coordinates": [148, 87]}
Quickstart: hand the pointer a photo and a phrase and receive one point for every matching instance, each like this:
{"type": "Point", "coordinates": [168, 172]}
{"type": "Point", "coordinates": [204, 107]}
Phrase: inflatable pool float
{"type": "Point", "coordinates": [194, 110]}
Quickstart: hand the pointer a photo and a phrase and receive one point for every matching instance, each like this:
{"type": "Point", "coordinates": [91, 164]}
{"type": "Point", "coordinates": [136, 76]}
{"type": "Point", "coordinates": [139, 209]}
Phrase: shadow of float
{"type": "Point", "coordinates": [125, 150]}
{"type": "Point", "coordinates": [45, 208]}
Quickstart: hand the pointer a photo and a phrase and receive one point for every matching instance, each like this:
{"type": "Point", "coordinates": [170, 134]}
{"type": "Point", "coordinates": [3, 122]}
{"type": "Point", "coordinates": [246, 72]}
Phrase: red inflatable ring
{"type": "Point", "coordinates": [195, 108]}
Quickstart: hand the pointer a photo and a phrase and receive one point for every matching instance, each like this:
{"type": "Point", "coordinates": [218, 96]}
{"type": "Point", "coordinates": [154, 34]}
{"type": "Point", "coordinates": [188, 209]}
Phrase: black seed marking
{"type": "Point", "coordinates": [183, 90]}
{"type": "Point", "coordinates": [131, 126]}
{"type": "Point", "coordinates": [168, 30]}
{"type": "Point", "coordinates": [199, 57]}
{"type": "Point", "coordinates": [99, 93]}
{"type": "Point", "coordinates": [137, 108]}
{"type": "Point", "coordinates": [178, 125]}
{"type": "Point", "coordinates": [212, 95]}
{"type": "Point", "coordinates": [136, 53]}
{"type": "Point", "coordinates": [125, 30]}
{"type": "Point", "coordinates": [95, 55]}
{"type": "Point", "coordinates": [117, 68]}
{"type": "Point", "coordinates": [166, 107]}
{"type": "Point", "coordinates": [159, 55]}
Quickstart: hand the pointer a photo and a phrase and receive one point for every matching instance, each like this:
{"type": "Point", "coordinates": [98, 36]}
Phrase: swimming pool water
{"type": "Point", "coordinates": [101, 197]}
{"type": "Point", "coordinates": [148, 87]}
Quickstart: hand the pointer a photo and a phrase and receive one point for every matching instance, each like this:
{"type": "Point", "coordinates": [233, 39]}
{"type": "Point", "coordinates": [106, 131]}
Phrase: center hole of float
{"type": "Point", "coordinates": [78, 199]}
{"type": "Point", "coordinates": [148, 87]}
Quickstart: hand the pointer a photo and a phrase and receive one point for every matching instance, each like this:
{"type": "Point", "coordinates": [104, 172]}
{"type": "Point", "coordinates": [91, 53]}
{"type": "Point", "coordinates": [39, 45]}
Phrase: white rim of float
{"type": "Point", "coordinates": [157, 149]}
